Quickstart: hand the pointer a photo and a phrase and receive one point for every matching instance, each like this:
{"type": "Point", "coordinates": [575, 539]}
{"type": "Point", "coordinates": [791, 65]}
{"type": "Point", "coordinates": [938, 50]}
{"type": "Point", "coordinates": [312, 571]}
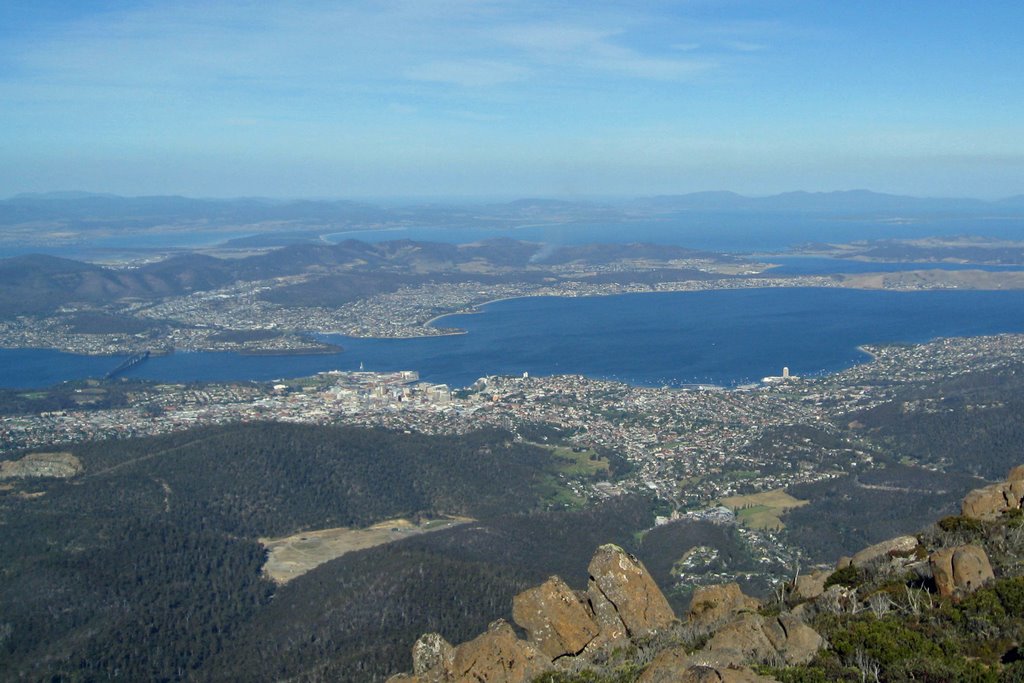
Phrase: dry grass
{"type": "Point", "coordinates": [291, 556]}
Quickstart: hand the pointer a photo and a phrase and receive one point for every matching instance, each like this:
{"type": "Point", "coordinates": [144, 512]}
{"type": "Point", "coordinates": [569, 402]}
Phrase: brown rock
{"type": "Point", "coordinates": [901, 546]}
{"type": "Point", "coordinates": [554, 618]}
{"type": "Point", "coordinates": [625, 583]}
{"type": "Point", "coordinates": [714, 605]}
{"type": "Point", "coordinates": [432, 653]}
{"type": "Point", "coordinates": [668, 668]}
{"type": "Point", "coordinates": [800, 642]}
{"type": "Point", "coordinates": [498, 656]}
{"type": "Point", "coordinates": [985, 503]}
{"type": "Point", "coordinates": [744, 639]}
{"type": "Point", "coordinates": [960, 570]}
{"type": "Point", "coordinates": [971, 568]}
{"type": "Point", "coordinates": [675, 666]}
{"type": "Point", "coordinates": [613, 632]}
{"type": "Point", "coordinates": [810, 586]}
{"type": "Point", "coordinates": [1013, 492]}
{"type": "Point", "coordinates": [993, 500]}
{"type": "Point", "coordinates": [941, 562]}
{"type": "Point", "coordinates": [753, 639]}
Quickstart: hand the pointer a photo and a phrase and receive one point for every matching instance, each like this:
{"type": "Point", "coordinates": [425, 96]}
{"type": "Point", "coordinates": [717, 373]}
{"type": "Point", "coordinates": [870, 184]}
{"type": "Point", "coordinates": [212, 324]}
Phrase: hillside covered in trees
{"type": "Point", "coordinates": [148, 564]}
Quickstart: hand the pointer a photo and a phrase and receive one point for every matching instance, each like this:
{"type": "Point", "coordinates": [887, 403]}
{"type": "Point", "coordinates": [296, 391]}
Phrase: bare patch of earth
{"type": "Point", "coordinates": [292, 556]}
{"type": "Point", "coordinates": [59, 465]}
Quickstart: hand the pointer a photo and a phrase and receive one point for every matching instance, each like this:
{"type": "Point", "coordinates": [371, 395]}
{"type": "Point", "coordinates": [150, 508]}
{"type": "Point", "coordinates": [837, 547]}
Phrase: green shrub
{"type": "Point", "coordinates": [955, 523]}
{"type": "Point", "coordinates": [848, 576]}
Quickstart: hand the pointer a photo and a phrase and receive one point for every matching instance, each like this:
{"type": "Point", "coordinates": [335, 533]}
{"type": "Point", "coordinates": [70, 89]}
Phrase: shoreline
{"type": "Point", "coordinates": [477, 308]}
{"type": "Point", "coordinates": [863, 349]}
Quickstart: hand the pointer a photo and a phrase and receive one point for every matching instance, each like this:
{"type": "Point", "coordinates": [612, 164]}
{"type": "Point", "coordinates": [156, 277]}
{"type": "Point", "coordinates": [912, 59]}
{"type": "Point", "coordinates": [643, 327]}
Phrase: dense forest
{"type": "Point", "coordinates": [147, 566]}
{"type": "Point", "coordinates": [853, 511]}
{"type": "Point", "coordinates": [969, 423]}
{"type": "Point", "coordinates": [357, 617]}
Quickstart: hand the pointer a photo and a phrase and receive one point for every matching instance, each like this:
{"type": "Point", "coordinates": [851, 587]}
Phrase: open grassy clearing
{"type": "Point", "coordinates": [584, 462]}
{"type": "Point", "coordinates": [292, 556]}
{"type": "Point", "coordinates": [762, 510]}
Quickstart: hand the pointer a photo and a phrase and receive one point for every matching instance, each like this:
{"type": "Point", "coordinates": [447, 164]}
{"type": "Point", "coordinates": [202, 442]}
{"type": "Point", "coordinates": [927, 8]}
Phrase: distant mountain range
{"type": "Point", "coordinates": [39, 284]}
{"type": "Point", "coordinates": [856, 201]}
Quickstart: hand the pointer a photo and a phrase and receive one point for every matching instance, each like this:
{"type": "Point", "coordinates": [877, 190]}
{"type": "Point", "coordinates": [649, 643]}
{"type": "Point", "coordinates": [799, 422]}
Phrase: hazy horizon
{"type": "Point", "coordinates": [490, 198]}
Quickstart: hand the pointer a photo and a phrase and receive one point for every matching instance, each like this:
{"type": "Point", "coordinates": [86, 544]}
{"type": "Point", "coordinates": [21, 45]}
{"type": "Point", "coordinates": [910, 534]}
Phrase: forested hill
{"type": "Point", "coordinates": [269, 479]}
{"type": "Point", "coordinates": [38, 285]}
{"type": "Point", "coordinates": [147, 564]}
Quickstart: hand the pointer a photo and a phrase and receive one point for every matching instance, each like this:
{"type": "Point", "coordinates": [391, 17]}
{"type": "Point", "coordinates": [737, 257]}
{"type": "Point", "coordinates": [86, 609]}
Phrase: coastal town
{"type": "Point", "coordinates": [691, 446]}
{"type": "Point", "coordinates": [704, 451]}
{"type": "Point", "coordinates": [235, 318]}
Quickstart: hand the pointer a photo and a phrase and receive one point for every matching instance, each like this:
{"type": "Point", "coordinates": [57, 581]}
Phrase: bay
{"type": "Point", "coordinates": [723, 231]}
{"type": "Point", "coordinates": [724, 337]}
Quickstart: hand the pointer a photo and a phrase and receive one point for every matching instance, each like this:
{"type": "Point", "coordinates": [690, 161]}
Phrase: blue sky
{"type": "Point", "coordinates": [377, 98]}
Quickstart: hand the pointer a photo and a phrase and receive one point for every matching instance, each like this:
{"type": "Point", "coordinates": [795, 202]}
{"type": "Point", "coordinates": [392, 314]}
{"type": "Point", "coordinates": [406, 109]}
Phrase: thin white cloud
{"type": "Point", "coordinates": [744, 46]}
{"type": "Point", "coordinates": [190, 46]}
{"type": "Point", "coordinates": [551, 37]}
{"type": "Point", "coordinates": [577, 47]}
{"type": "Point", "coordinates": [468, 73]}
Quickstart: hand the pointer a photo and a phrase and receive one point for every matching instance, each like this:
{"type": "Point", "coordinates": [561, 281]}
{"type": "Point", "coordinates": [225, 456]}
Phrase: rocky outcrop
{"type": "Point", "coordinates": [754, 639]}
{"type": "Point", "coordinates": [622, 580]}
{"type": "Point", "coordinates": [56, 465]}
{"type": "Point", "coordinates": [743, 640]}
{"type": "Point", "coordinates": [563, 627]}
{"type": "Point", "coordinates": [498, 656]}
{"type": "Point", "coordinates": [555, 619]}
{"type": "Point", "coordinates": [996, 499]}
{"type": "Point", "coordinates": [711, 606]}
{"type": "Point", "coordinates": [676, 666]}
{"type": "Point", "coordinates": [960, 570]}
{"type": "Point", "coordinates": [900, 547]}
{"type": "Point", "coordinates": [622, 608]}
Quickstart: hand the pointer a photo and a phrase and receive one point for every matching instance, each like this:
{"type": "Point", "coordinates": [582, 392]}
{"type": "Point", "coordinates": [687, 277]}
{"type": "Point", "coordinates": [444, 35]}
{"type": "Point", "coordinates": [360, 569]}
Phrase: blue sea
{"type": "Point", "coordinates": [724, 231]}
{"type": "Point", "coordinates": [723, 337]}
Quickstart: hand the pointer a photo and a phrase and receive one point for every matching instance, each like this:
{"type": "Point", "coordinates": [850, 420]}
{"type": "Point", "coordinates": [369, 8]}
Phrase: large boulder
{"type": "Point", "coordinates": [622, 580]}
{"type": "Point", "coordinates": [554, 618]}
{"type": "Point", "coordinates": [899, 547]}
{"type": "Point", "coordinates": [714, 605]}
{"type": "Point", "coordinates": [498, 656]}
{"type": "Point", "coordinates": [795, 641]}
{"type": "Point", "coordinates": [754, 639]}
{"type": "Point", "coordinates": [810, 586]}
{"type": "Point", "coordinates": [675, 666]}
{"type": "Point", "coordinates": [960, 570]}
{"type": "Point", "coordinates": [993, 500]}
{"type": "Point", "coordinates": [744, 641]}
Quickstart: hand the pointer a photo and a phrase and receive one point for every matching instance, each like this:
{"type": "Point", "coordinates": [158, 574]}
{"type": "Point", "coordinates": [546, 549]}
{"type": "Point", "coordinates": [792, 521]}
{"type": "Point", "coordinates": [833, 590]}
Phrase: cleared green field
{"type": "Point", "coordinates": [575, 463]}
{"type": "Point", "coordinates": [762, 510]}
